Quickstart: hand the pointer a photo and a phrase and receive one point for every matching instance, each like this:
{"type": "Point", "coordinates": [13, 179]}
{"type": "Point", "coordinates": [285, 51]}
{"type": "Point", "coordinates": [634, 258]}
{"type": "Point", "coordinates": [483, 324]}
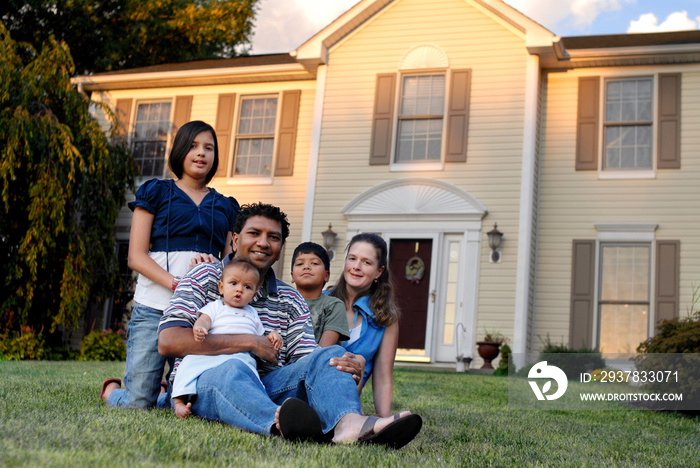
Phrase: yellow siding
{"type": "Point", "coordinates": [571, 202]}
{"type": "Point", "coordinates": [497, 58]}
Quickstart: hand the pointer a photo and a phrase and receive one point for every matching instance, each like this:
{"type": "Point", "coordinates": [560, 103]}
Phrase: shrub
{"type": "Point", "coordinates": [504, 366]}
{"type": "Point", "coordinates": [106, 345]}
{"type": "Point", "coordinates": [23, 344]}
{"type": "Point", "coordinates": [572, 361]}
{"type": "Point", "coordinates": [680, 337]}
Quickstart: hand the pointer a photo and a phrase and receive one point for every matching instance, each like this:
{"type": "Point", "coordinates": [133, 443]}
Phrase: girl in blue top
{"type": "Point", "coordinates": [365, 288]}
{"type": "Point", "coordinates": [174, 222]}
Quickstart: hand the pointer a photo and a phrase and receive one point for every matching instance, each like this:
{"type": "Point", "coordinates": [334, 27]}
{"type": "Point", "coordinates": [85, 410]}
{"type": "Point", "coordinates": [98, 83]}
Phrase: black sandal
{"type": "Point", "coordinates": [299, 422]}
{"type": "Point", "coordinates": [397, 434]}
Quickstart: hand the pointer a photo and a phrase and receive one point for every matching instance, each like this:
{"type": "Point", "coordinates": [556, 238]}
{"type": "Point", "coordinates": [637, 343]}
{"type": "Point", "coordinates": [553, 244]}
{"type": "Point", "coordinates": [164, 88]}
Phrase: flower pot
{"type": "Point", "coordinates": [488, 350]}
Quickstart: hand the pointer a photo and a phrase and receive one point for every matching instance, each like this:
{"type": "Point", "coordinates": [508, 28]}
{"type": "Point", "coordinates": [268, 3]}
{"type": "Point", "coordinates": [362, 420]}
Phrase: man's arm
{"type": "Point", "coordinates": [179, 342]}
{"type": "Point", "coordinates": [175, 338]}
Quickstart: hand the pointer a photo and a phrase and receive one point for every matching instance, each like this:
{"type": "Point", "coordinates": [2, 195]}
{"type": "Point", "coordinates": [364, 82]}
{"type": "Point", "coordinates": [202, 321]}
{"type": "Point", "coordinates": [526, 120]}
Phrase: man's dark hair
{"type": "Point", "coordinates": [183, 142]}
{"type": "Point", "coordinates": [261, 209]}
{"type": "Point", "coordinates": [312, 248]}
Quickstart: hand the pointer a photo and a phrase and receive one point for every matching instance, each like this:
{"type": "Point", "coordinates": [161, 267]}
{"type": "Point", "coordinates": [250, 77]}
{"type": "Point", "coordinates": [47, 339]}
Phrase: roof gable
{"type": "Point", "coordinates": [315, 50]}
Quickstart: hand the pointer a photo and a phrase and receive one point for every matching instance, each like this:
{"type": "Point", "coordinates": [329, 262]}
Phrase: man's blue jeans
{"type": "Point", "coordinates": [231, 393]}
{"type": "Point", "coordinates": [144, 366]}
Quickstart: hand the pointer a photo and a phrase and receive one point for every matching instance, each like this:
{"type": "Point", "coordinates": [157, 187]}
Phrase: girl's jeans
{"type": "Point", "coordinates": [144, 366]}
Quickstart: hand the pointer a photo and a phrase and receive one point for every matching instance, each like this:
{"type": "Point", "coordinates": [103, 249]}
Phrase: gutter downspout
{"type": "Point", "coordinates": [314, 153]}
{"type": "Point", "coordinates": [526, 221]}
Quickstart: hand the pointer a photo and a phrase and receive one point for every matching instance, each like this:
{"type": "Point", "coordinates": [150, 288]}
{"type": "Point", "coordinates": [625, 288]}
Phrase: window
{"type": "Point", "coordinates": [624, 297]}
{"type": "Point", "coordinates": [636, 132]}
{"type": "Point", "coordinates": [255, 136]}
{"type": "Point", "coordinates": [628, 124]}
{"type": "Point", "coordinates": [150, 137]}
{"type": "Point", "coordinates": [420, 118]}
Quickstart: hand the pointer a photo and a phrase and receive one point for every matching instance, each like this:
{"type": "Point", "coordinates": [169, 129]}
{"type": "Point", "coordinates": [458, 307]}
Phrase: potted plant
{"type": "Point", "coordinates": [489, 348]}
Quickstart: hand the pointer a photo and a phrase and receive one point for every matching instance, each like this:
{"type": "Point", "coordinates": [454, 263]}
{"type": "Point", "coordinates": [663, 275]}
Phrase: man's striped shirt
{"type": "Point", "coordinates": [279, 306]}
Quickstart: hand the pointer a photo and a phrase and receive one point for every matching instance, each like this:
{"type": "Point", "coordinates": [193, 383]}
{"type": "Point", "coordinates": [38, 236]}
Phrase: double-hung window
{"type": "Point", "coordinates": [255, 136]}
{"type": "Point", "coordinates": [629, 127]}
{"type": "Point", "coordinates": [420, 119]}
{"type": "Point", "coordinates": [150, 138]}
{"type": "Point", "coordinates": [624, 296]}
{"type": "Point", "coordinates": [628, 124]}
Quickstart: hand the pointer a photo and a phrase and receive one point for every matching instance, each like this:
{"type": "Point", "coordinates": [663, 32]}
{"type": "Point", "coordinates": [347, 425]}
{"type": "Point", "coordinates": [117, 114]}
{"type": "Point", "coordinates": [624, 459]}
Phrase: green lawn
{"type": "Point", "coordinates": [51, 415]}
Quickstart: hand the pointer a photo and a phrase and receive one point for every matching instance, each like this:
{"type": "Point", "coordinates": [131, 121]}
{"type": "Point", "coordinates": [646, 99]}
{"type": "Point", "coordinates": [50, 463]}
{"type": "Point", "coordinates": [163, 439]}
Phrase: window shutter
{"type": "Point", "coordinates": [587, 123]}
{"type": "Point", "coordinates": [183, 109]}
{"type": "Point", "coordinates": [667, 279]}
{"type": "Point", "coordinates": [582, 299]}
{"type": "Point", "coordinates": [669, 146]}
{"type": "Point", "coordinates": [224, 130]}
{"type": "Point", "coordinates": [123, 111]}
{"type": "Point", "coordinates": [458, 116]}
{"type": "Point", "coordinates": [287, 134]}
{"type": "Point", "coordinates": [383, 120]}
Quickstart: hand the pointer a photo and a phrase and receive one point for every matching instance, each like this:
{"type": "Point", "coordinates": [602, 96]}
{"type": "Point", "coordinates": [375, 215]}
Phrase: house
{"type": "Point", "coordinates": [432, 122]}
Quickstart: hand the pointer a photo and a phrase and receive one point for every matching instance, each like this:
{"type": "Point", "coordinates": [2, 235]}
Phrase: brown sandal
{"type": "Point", "coordinates": [107, 382]}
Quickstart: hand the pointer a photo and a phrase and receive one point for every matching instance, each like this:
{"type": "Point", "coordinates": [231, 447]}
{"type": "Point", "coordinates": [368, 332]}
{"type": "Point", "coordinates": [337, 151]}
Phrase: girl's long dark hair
{"type": "Point", "coordinates": [381, 291]}
{"type": "Point", "coordinates": [183, 142]}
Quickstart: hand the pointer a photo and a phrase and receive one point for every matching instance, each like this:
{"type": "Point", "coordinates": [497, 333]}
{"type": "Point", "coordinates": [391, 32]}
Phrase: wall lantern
{"type": "Point", "coordinates": [495, 237]}
{"type": "Point", "coordinates": [328, 240]}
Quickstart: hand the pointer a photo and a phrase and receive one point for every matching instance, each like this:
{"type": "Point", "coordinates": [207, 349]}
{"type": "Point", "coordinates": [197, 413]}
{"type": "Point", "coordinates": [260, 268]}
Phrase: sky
{"type": "Point", "coordinates": [284, 25]}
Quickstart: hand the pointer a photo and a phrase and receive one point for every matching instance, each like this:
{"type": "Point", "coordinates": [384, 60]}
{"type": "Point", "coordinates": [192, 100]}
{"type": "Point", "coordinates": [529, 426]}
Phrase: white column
{"type": "Point", "coordinates": [527, 198]}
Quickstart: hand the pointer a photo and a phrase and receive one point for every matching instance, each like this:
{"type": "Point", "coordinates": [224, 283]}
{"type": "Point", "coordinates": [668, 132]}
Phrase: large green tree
{"type": "Point", "coordinates": [63, 181]}
{"type": "Point", "coordinates": [106, 35]}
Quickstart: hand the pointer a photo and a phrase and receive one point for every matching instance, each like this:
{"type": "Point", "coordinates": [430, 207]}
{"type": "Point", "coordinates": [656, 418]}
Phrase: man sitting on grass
{"type": "Point", "coordinates": [300, 399]}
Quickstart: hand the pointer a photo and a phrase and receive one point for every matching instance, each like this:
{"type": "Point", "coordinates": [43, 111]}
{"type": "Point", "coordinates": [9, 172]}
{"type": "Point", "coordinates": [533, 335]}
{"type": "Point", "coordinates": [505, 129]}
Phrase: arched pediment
{"type": "Point", "coordinates": [415, 197]}
{"type": "Point", "coordinates": [425, 56]}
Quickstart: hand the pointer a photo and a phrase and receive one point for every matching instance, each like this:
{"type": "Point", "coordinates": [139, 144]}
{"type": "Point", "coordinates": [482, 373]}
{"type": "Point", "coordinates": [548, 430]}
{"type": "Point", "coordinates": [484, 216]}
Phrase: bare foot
{"type": "Point", "coordinates": [112, 386]}
{"type": "Point", "coordinates": [277, 419]}
{"type": "Point", "coordinates": [349, 427]}
{"type": "Point", "coordinates": [182, 410]}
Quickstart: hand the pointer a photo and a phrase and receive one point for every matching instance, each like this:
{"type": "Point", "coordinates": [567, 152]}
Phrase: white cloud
{"type": "Point", "coordinates": [284, 25]}
{"type": "Point", "coordinates": [552, 14]}
{"type": "Point", "coordinates": [677, 21]}
{"type": "Point", "coordinates": [584, 12]}
{"type": "Point", "coordinates": [546, 12]}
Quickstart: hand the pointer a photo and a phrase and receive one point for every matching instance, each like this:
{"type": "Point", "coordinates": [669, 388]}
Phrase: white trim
{"type": "Point", "coordinates": [472, 263]}
{"type": "Point", "coordinates": [417, 207]}
{"type": "Point", "coordinates": [413, 198]}
{"type": "Point", "coordinates": [626, 232]}
{"type": "Point", "coordinates": [527, 197]}
{"type": "Point", "coordinates": [314, 154]}
{"type": "Point", "coordinates": [417, 166]}
{"type": "Point", "coordinates": [617, 52]}
{"type": "Point", "coordinates": [183, 74]}
{"type": "Point", "coordinates": [621, 174]}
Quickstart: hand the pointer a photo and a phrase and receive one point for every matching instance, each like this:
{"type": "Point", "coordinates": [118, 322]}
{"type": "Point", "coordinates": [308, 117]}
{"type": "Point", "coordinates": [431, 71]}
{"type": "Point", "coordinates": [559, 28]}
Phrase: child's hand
{"type": "Point", "coordinates": [199, 333]}
{"type": "Point", "coordinates": [275, 340]}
